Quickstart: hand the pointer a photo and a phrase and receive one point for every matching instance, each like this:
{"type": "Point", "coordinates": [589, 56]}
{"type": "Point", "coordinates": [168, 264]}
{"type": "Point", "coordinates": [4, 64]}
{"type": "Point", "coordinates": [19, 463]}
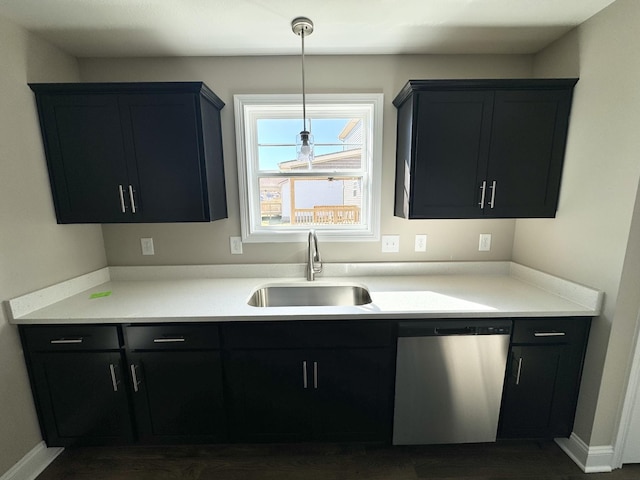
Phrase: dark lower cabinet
{"type": "Point", "coordinates": [351, 394]}
{"type": "Point", "coordinates": [268, 397]}
{"type": "Point", "coordinates": [543, 377]}
{"type": "Point", "coordinates": [282, 393]}
{"type": "Point", "coordinates": [178, 396]}
{"type": "Point", "coordinates": [287, 395]}
{"type": "Point", "coordinates": [80, 388]}
{"type": "Point", "coordinates": [269, 381]}
{"type": "Point", "coordinates": [176, 383]}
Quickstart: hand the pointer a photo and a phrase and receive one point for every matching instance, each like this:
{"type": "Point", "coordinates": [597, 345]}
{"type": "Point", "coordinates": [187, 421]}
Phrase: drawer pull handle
{"type": "Point", "coordinates": [114, 379]}
{"type": "Point", "coordinates": [134, 377]}
{"type": "Point", "coordinates": [304, 374]}
{"type": "Point", "coordinates": [168, 340]}
{"type": "Point", "coordinates": [549, 334]}
{"type": "Point", "coordinates": [519, 371]}
{"type": "Point", "coordinates": [64, 341]}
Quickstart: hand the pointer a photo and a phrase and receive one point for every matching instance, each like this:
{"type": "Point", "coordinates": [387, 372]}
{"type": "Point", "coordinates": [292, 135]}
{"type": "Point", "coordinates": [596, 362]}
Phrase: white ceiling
{"type": "Point", "coordinates": [114, 28]}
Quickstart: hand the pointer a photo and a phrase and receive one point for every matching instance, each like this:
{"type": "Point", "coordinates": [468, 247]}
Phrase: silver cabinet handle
{"type": "Point", "coordinates": [492, 202]}
{"type": "Point", "coordinates": [123, 207]}
{"type": "Point", "coordinates": [304, 374]}
{"type": "Point", "coordinates": [549, 334]}
{"type": "Point", "coordinates": [59, 341]}
{"type": "Point", "coordinates": [519, 371]}
{"type": "Point", "coordinates": [114, 379]}
{"type": "Point", "coordinates": [315, 375]}
{"type": "Point", "coordinates": [168, 340]}
{"type": "Point", "coordinates": [134, 377]}
{"type": "Point", "coordinates": [483, 190]}
{"type": "Point", "coordinates": [133, 201]}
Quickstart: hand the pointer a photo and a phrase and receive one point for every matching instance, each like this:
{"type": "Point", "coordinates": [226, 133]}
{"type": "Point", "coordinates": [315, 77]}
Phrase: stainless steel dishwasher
{"type": "Point", "coordinates": [449, 379]}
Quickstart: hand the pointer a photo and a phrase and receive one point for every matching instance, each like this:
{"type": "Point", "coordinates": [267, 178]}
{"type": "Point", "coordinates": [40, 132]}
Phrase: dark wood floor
{"type": "Point", "coordinates": [504, 460]}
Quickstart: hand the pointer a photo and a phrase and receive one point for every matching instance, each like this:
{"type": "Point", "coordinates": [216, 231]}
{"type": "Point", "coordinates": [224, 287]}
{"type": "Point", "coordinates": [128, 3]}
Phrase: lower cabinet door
{"type": "Point", "coordinates": [530, 392]}
{"type": "Point", "coordinates": [82, 398]}
{"type": "Point", "coordinates": [352, 394]}
{"type": "Point", "coordinates": [178, 396]}
{"type": "Point", "coordinates": [269, 395]}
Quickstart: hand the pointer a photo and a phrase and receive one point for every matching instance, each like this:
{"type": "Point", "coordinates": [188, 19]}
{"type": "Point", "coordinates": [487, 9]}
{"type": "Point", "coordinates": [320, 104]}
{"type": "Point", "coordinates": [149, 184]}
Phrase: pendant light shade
{"type": "Point", "coordinates": [302, 26]}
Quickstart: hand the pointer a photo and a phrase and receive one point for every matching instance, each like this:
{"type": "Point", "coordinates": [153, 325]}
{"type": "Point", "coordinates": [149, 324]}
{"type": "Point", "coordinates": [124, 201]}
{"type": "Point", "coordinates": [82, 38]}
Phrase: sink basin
{"type": "Point", "coordinates": [309, 295]}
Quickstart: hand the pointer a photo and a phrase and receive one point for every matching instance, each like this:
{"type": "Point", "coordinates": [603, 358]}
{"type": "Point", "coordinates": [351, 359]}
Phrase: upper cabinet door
{"type": "Point", "coordinates": [133, 152]}
{"type": "Point", "coordinates": [451, 150]}
{"type": "Point", "coordinates": [166, 164]}
{"type": "Point", "coordinates": [481, 148]}
{"type": "Point", "coordinates": [87, 167]}
{"type": "Point", "coordinates": [527, 152]}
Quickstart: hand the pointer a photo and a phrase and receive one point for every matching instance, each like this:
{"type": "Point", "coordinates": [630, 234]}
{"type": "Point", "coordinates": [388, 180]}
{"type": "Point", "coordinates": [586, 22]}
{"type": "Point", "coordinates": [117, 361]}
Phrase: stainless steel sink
{"type": "Point", "coordinates": [312, 295]}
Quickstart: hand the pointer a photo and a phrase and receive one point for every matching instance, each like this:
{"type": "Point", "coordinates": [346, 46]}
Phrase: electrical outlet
{"type": "Point", "coordinates": [235, 243]}
{"type": "Point", "coordinates": [147, 246]}
{"type": "Point", "coordinates": [484, 244]}
{"type": "Point", "coordinates": [390, 243]}
{"type": "Point", "coordinates": [421, 243]}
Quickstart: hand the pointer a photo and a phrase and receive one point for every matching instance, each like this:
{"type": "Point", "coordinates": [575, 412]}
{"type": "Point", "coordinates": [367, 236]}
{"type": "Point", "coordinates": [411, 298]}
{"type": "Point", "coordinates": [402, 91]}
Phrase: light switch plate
{"type": "Point", "coordinates": [147, 246]}
{"type": "Point", "coordinates": [484, 244]}
{"type": "Point", "coordinates": [390, 243]}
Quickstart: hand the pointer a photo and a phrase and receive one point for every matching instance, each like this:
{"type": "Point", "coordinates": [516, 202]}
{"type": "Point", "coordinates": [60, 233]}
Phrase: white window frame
{"type": "Point", "coordinates": [250, 107]}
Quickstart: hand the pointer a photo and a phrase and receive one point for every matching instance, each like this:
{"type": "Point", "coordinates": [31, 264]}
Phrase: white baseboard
{"type": "Point", "coordinates": [33, 463]}
{"type": "Point", "coordinates": [589, 459]}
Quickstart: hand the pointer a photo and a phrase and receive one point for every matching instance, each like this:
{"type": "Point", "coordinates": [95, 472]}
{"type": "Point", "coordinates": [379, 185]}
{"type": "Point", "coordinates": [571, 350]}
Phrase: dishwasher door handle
{"type": "Point", "coordinates": [455, 331]}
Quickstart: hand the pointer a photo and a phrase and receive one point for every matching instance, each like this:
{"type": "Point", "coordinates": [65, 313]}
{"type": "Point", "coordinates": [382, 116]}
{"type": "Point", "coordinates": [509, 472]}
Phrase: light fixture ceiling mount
{"type": "Point", "coordinates": [302, 24]}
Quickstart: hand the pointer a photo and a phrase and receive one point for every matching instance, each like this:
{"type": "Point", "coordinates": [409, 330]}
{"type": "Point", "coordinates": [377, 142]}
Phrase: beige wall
{"type": "Point", "coordinates": [588, 242]}
{"type": "Point", "coordinates": [209, 243]}
{"type": "Point", "coordinates": [34, 250]}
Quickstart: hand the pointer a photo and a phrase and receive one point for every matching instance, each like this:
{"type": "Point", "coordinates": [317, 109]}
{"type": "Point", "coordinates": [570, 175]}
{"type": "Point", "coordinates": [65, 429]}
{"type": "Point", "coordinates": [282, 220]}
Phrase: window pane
{"type": "Point", "coordinates": [338, 144]}
{"type": "Point", "coordinates": [311, 201]}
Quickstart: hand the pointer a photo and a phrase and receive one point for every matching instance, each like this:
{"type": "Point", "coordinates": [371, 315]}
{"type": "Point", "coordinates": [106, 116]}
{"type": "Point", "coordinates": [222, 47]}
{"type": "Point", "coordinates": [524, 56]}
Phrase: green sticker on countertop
{"type": "Point", "coordinates": [100, 294]}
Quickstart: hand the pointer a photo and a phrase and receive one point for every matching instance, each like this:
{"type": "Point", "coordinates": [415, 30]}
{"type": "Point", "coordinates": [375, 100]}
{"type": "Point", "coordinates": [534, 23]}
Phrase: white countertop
{"type": "Point", "coordinates": [220, 293]}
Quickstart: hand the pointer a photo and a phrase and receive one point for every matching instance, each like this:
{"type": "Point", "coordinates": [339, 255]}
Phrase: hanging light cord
{"type": "Point", "coordinates": [304, 108]}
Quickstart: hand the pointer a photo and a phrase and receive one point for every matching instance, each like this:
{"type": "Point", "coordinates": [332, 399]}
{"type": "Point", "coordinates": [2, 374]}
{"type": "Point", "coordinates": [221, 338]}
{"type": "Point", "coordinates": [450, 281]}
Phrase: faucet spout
{"type": "Point", "coordinates": [314, 263]}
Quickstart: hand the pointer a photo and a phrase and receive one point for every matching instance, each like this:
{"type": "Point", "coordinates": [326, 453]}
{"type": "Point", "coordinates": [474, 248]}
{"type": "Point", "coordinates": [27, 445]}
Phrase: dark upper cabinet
{"type": "Point", "coordinates": [543, 377]}
{"type": "Point", "coordinates": [134, 152]}
{"type": "Point", "coordinates": [481, 148]}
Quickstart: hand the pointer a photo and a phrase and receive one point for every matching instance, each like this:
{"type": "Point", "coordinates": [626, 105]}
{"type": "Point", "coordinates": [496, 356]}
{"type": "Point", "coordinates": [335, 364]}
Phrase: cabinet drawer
{"type": "Point", "coordinates": [309, 334]}
{"type": "Point", "coordinates": [550, 331]}
{"type": "Point", "coordinates": [171, 337]}
{"type": "Point", "coordinates": [71, 337]}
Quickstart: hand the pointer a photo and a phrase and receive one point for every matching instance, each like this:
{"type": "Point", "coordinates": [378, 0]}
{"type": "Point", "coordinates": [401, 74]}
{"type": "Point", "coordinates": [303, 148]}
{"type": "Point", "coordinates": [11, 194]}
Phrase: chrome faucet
{"type": "Point", "coordinates": [314, 263]}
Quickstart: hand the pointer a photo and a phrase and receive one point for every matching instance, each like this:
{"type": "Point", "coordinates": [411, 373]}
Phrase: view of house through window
{"type": "Point", "coordinates": [320, 198]}
{"type": "Point", "coordinates": [332, 193]}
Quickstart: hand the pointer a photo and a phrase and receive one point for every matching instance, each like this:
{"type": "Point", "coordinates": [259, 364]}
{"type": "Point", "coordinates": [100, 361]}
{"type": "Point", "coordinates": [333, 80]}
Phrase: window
{"type": "Point", "coordinates": [337, 193]}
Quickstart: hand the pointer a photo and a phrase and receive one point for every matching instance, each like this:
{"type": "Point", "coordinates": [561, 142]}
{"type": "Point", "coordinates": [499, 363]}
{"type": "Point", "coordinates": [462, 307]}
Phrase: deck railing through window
{"type": "Point", "coordinates": [327, 215]}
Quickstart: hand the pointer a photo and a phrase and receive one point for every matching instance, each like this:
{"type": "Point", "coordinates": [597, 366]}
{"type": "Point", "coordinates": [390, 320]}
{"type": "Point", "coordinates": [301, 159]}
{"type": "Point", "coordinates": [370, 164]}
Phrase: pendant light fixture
{"type": "Point", "coordinates": [302, 26]}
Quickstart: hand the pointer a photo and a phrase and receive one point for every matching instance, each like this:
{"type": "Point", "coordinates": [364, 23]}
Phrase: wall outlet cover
{"type": "Point", "coordinates": [421, 243]}
{"type": "Point", "coordinates": [147, 246]}
{"type": "Point", "coordinates": [235, 243]}
{"type": "Point", "coordinates": [484, 244]}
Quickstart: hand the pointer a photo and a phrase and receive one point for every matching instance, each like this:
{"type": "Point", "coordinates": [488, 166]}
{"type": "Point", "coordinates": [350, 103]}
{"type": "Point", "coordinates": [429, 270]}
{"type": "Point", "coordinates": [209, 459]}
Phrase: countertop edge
{"type": "Point", "coordinates": [587, 300]}
{"type": "Point", "coordinates": [30, 302]}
